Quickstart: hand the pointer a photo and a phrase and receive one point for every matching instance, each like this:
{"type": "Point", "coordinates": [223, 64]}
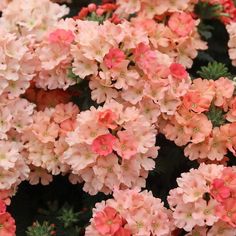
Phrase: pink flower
{"type": "Point", "coordinates": [181, 23]}
{"type": "Point", "coordinates": [107, 118]}
{"type": "Point", "coordinates": [146, 59]}
{"type": "Point", "coordinates": [227, 211]}
{"type": "Point", "coordinates": [195, 102]}
{"type": "Point", "coordinates": [103, 144]}
{"type": "Point", "coordinates": [224, 90]}
{"type": "Point", "coordinates": [61, 36]}
{"type": "Point", "coordinates": [140, 50]}
{"type": "Point", "coordinates": [108, 221]}
{"type": "Point", "coordinates": [7, 223]}
{"type": "Point", "coordinates": [113, 58]}
{"type": "Point", "coordinates": [67, 126]}
{"type": "Point", "coordinates": [126, 146]}
{"type": "Point", "coordinates": [178, 71]}
{"type": "Point", "coordinates": [219, 191]}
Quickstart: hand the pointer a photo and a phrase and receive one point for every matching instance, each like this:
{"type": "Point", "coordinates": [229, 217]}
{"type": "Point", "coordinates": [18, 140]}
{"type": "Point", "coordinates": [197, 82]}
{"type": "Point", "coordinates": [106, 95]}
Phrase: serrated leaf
{"type": "Point", "coordinates": [213, 71]}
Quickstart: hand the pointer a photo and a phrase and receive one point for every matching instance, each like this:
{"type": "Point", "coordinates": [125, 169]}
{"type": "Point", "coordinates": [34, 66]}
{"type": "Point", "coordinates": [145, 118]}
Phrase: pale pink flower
{"type": "Point", "coordinates": [39, 175]}
{"type": "Point", "coordinates": [224, 90]}
{"type": "Point", "coordinates": [205, 211]}
{"type": "Point", "coordinates": [5, 121]}
{"type": "Point", "coordinates": [79, 157]}
{"type": "Point", "coordinates": [9, 154]}
{"type": "Point", "coordinates": [101, 93]}
{"type": "Point", "coordinates": [64, 112]}
{"type": "Point", "coordinates": [125, 145]}
{"type": "Point", "coordinates": [36, 18]}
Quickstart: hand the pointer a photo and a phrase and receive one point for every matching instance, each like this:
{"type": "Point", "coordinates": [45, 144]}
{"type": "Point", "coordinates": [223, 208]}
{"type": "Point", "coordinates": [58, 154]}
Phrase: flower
{"type": "Point", "coordinates": [193, 101]}
{"type": "Point", "coordinates": [125, 146]}
{"type": "Point", "coordinates": [113, 58]}
{"type": "Point", "coordinates": [2, 207]}
{"type": "Point", "coordinates": [131, 213]}
{"type": "Point", "coordinates": [178, 71]}
{"type": "Point", "coordinates": [108, 221]}
{"type": "Point", "coordinates": [123, 232]}
{"type": "Point", "coordinates": [61, 36]}
{"type": "Point", "coordinates": [181, 23]}
{"type": "Point", "coordinates": [107, 118]}
{"type": "Point", "coordinates": [103, 144]}
{"type": "Point", "coordinates": [227, 211]}
{"type": "Point", "coordinates": [202, 198]}
{"type": "Point", "coordinates": [219, 191]}
{"type": "Point", "coordinates": [7, 223]}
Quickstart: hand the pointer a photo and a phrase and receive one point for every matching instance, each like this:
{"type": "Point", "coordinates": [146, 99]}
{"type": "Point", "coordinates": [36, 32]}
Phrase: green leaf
{"type": "Point", "coordinates": [208, 11]}
{"type": "Point", "coordinates": [68, 217]}
{"type": "Point", "coordinates": [38, 229]}
{"type": "Point", "coordinates": [94, 17]}
{"type": "Point", "coordinates": [216, 116]}
{"type": "Point", "coordinates": [213, 71]}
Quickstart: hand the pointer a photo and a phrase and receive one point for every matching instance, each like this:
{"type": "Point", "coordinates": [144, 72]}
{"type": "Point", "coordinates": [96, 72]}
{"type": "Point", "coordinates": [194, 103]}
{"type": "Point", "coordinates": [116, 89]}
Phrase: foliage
{"type": "Point", "coordinates": [213, 71]}
{"type": "Point", "coordinates": [37, 229]}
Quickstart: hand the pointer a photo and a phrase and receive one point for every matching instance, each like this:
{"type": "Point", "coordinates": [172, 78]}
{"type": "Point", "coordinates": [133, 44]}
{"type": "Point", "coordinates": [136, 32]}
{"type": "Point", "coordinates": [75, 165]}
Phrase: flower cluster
{"type": "Point", "coordinates": [205, 120]}
{"type": "Point", "coordinates": [54, 59]}
{"type": "Point", "coordinates": [130, 213]}
{"type": "Point", "coordinates": [16, 65]}
{"type": "Point", "coordinates": [15, 116]}
{"type": "Point", "coordinates": [111, 146]}
{"type": "Point", "coordinates": [44, 141]}
{"type": "Point", "coordinates": [205, 200]}
{"type": "Point", "coordinates": [127, 68]}
{"type": "Point", "coordinates": [151, 9]}
{"type": "Point", "coordinates": [36, 18]}
{"type": "Point", "coordinates": [133, 57]}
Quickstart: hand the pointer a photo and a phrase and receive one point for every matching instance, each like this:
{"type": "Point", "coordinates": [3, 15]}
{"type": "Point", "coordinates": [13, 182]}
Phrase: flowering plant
{"type": "Point", "coordinates": [129, 105]}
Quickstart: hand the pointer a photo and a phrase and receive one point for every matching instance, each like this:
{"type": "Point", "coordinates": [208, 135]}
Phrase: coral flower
{"type": "Point", "coordinates": [7, 225]}
{"type": "Point", "coordinates": [107, 118]}
{"type": "Point", "coordinates": [219, 191]}
{"type": "Point", "coordinates": [108, 221]}
{"type": "Point", "coordinates": [103, 144]}
{"type": "Point", "coordinates": [193, 101]}
{"type": "Point", "coordinates": [114, 57]}
{"type": "Point", "coordinates": [181, 23]}
{"type": "Point", "coordinates": [123, 232]}
{"type": "Point", "coordinates": [227, 211]}
{"type": "Point", "coordinates": [178, 71]}
{"type": "Point", "coordinates": [61, 36]}
{"type": "Point", "coordinates": [2, 207]}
